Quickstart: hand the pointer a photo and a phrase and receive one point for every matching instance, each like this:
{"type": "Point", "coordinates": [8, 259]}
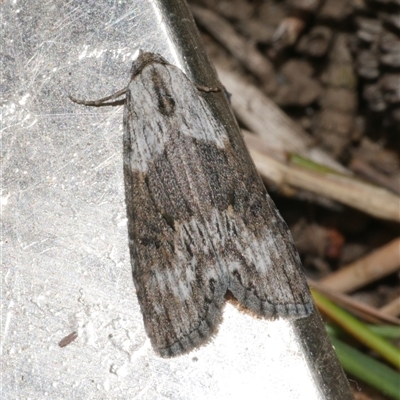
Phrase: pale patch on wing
{"type": "Point", "coordinates": [152, 130]}
{"type": "Point", "coordinates": [261, 270]}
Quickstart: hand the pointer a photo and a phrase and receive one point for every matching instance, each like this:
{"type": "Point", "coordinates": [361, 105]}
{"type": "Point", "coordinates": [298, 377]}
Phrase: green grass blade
{"type": "Point", "coordinates": [385, 331]}
{"type": "Point", "coordinates": [357, 329]}
{"type": "Point", "coordinates": [367, 369]}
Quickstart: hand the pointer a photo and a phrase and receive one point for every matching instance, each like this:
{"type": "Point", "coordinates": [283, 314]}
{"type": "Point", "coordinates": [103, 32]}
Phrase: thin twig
{"type": "Point", "coordinates": [262, 116]}
{"type": "Point", "coordinates": [239, 47]}
{"type": "Point", "coordinates": [347, 190]}
{"type": "Point", "coordinates": [362, 168]}
{"type": "Point", "coordinates": [392, 308]}
{"type": "Point", "coordinates": [368, 313]}
{"type": "Point", "coordinates": [370, 268]}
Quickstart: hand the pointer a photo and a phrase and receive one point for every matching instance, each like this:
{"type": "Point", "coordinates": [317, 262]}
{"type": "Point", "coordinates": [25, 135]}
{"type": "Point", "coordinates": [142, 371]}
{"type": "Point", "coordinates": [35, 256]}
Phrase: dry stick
{"type": "Point", "coordinates": [370, 199]}
{"type": "Point", "coordinates": [392, 308]}
{"type": "Point", "coordinates": [362, 168]}
{"type": "Point", "coordinates": [370, 268]}
{"type": "Point", "coordinates": [262, 116]}
{"type": "Point", "coordinates": [240, 48]}
{"type": "Point", "coordinates": [368, 313]}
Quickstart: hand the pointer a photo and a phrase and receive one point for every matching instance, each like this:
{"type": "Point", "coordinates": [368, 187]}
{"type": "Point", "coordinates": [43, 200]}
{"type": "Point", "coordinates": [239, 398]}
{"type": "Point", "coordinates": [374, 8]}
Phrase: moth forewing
{"type": "Point", "coordinates": [200, 221]}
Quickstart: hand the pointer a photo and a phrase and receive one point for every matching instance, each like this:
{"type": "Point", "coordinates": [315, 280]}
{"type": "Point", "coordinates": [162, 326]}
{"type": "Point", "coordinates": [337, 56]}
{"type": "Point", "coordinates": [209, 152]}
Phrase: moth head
{"type": "Point", "coordinates": [143, 60]}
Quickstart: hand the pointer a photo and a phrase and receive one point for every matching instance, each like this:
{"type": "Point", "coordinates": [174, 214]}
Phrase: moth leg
{"type": "Point", "coordinates": [208, 89]}
{"type": "Point", "coordinates": [99, 101]}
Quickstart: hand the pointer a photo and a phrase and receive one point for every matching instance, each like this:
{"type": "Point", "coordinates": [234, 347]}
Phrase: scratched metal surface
{"type": "Point", "coordinates": [65, 262]}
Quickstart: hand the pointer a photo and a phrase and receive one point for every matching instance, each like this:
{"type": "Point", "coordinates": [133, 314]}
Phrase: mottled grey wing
{"type": "Point", "coordinates": [200, 221]}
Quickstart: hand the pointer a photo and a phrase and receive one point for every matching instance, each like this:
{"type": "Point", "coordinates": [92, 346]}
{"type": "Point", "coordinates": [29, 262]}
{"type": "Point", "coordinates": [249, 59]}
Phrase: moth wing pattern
{"type": "Point", "coordinates": [200, 221]}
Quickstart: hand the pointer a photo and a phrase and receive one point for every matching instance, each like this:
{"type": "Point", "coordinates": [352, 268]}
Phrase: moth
{"type": "Point", "coordinates": [200, 220]}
